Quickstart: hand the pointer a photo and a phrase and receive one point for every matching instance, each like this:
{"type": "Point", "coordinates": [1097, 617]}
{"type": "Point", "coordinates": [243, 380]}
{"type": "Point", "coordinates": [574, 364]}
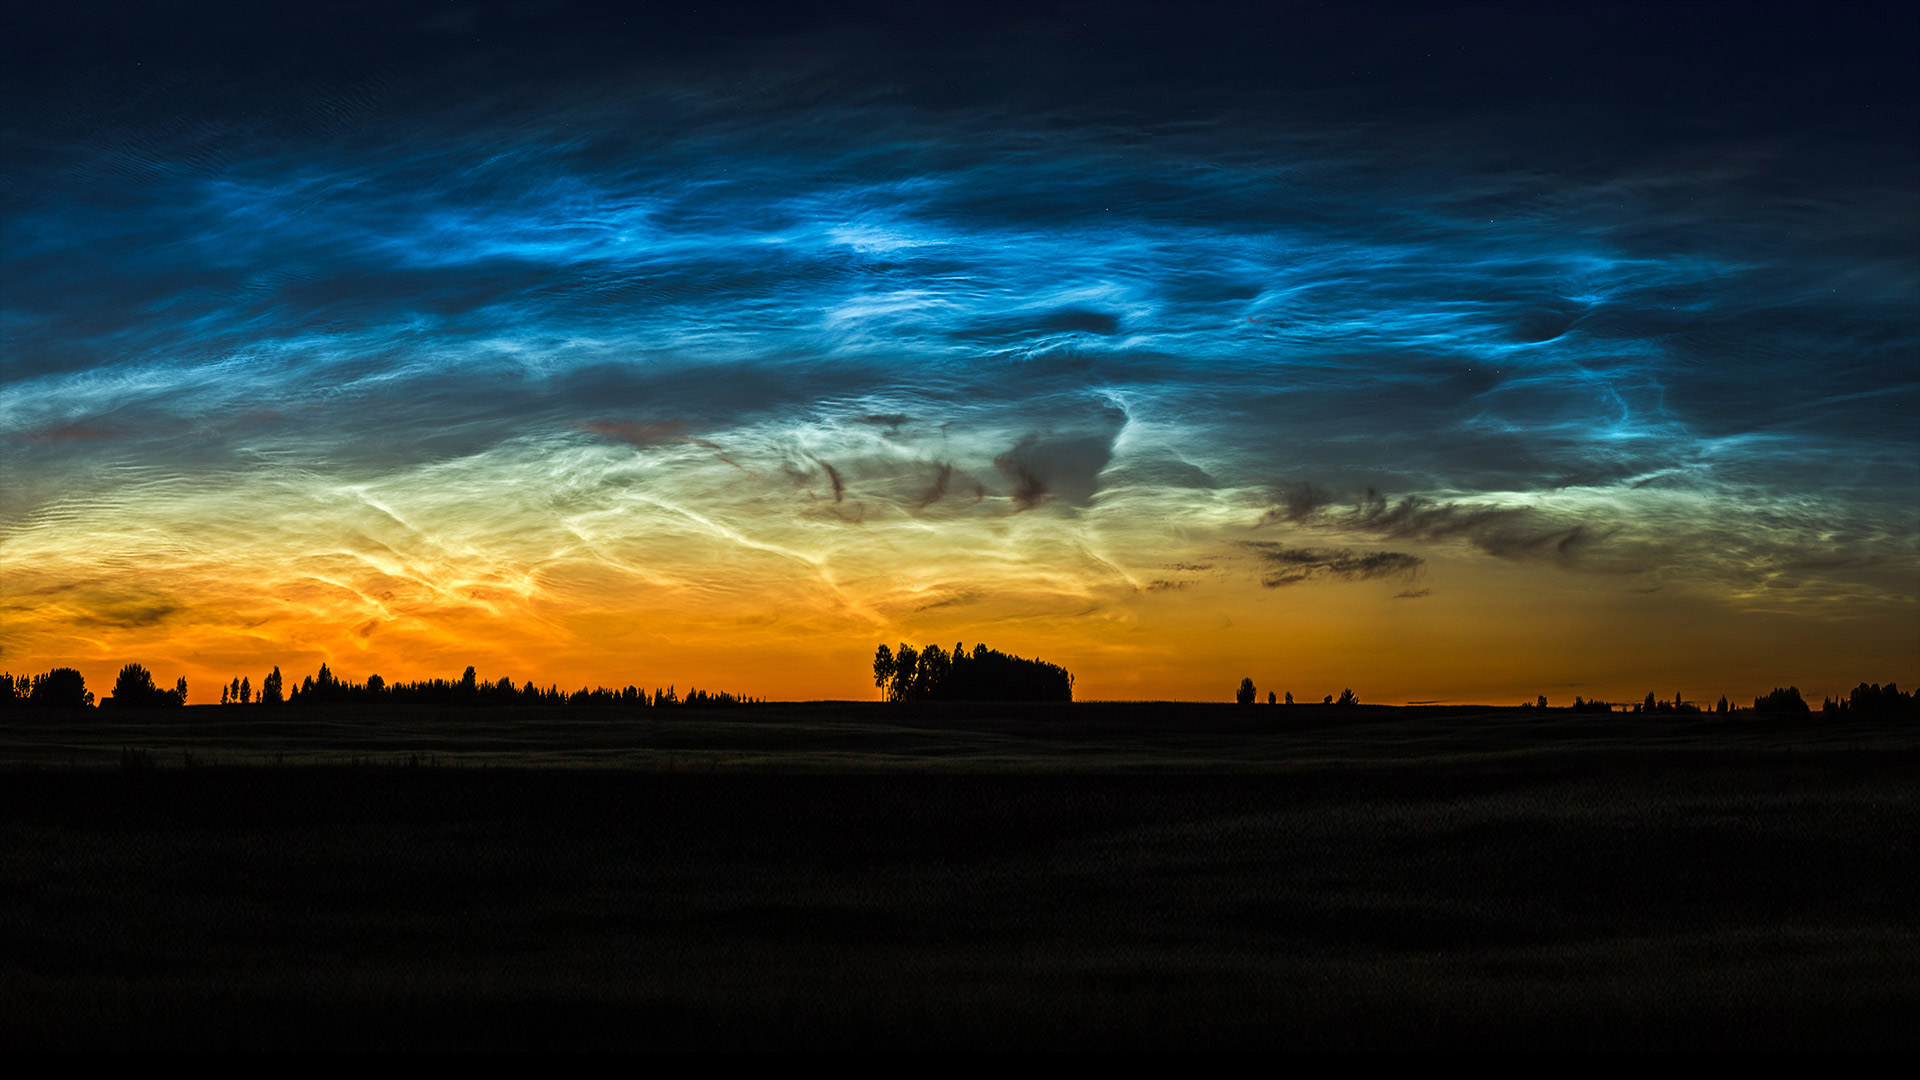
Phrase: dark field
{"type": "Point", "coordinates": [866, 877]}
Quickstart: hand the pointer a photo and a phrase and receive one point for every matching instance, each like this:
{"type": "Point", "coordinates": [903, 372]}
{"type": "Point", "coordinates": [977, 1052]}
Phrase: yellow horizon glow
{"type": "Point", "coordinates": [589, 562]}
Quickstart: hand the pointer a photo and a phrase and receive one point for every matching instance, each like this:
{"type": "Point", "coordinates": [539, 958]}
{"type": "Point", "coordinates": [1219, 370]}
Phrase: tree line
{"type": "Point", "coordinates": [66, 688]}
{"type": "Point", "coordinates": [1866, 699]}
{"type": "Point", "coordinates": [934, 674]}
{"type": "Point", "coordinates": [324, 687]}
{"type": "Point", "coordinates": [908, 674]}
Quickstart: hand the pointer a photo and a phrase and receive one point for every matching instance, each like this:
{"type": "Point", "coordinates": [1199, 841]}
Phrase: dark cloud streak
{"type": "Point", "coordinates": [1504, 532]}
{"type": "Point", "coordinates": [1291, 566]}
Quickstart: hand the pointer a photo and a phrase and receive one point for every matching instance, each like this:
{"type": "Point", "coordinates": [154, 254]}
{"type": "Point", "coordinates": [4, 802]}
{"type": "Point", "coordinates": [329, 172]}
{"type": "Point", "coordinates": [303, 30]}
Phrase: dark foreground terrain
{"type": "Point", "coordinates": [857, 879]}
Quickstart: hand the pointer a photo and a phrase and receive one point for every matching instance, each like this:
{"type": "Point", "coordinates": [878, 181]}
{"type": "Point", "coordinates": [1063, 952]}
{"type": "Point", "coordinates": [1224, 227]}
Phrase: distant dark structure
{"type": "Point", "coordinates": [933, 674]}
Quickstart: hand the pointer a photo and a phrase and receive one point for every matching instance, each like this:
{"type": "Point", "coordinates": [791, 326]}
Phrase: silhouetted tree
{"type": "Point", "coordinates": [1246, 693]}
{"type": "Point", "coordinates": [1347, 699]}
{"type": "Point", "coordinates": [270, 688]}
{"type": "Point", "coordinates": [1270, 698]}
{"type": "Point", "coordinates": [1721, 705]}
{"type": "Point", "coordinates": [931, 683]}
{"type": "Point", "coordinates": [1541, 702]}
{"type": "Point", "coordinates": [246, 691]}
{"type": "Point", "coordinates": [883, 670]}
{"type": "Point", "coordinates": [134, 689]}
{"type": "Point", "coordinates": [134, 686]}
{"type": "Point", "coordinates": [1289, 697]}
{"type": "Point", "coordinates": [324, 687]}
{"type": "Point", "coordinates": [1779, 700]}
{"type": "Point", "coordinates": [906, 664]}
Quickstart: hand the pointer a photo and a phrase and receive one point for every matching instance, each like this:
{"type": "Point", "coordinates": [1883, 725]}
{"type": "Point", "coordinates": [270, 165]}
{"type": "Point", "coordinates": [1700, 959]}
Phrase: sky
{"type": "Point", "coordinates": [1443, 352]}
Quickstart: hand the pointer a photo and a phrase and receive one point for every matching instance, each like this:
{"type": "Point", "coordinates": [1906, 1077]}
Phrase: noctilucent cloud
{"type": "Point", "coordinates": [1468, 353]}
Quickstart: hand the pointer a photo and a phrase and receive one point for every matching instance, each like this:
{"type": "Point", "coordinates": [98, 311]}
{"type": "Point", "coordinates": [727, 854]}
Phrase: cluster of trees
{"type": "Point", "coordinates": [933, 674]}
{"type": "Point", "coordinates": [1867, 698]}
{"type": "Point", "coordinates": [61, 688]}
{"type": "Point", "coordinates": [324, 687]}
{"type": "Point", "coordinates": [1779, 700]}
{"type": "Point", "coordinates": [1874, 698]}
{"type": "Point", "coordinates": [66, 688]}
{"type": "Point", "coordinates": [1676, 707]}
{"type": "Point", "coordinates": [1247, 694]}
{"type": "Point", "coordinates": [272, 690]}
{"type": "Point", "coordinates": [135, 689]}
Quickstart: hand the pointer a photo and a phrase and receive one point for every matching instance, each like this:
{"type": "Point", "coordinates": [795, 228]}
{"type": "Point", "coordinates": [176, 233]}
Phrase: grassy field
{"type": "Point", "coordinates": [855, 876]}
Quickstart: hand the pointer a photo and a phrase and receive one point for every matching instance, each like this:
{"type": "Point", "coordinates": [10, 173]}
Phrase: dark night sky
{"type": "Point", "coordinates": [1468, 348]}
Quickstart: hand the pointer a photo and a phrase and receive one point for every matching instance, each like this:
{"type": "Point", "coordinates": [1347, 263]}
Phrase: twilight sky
{"type": "Point", "coordinates": [1455, 353]}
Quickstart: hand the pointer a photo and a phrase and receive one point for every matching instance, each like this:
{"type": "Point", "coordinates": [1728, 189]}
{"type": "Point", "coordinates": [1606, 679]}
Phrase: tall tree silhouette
{"type": "Point", "coordinates": [906, 665]}
{"type": "Point", "coordinates": [883, 670]}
